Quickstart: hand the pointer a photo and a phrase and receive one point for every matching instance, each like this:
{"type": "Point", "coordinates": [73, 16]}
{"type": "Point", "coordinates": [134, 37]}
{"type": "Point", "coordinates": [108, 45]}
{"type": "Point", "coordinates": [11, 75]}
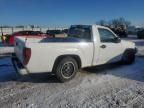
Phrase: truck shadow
{"type": "Point", "coordinates": [38, 78]}
{"type": "Point", "coordinates": [8, 73]}
{"type": "Point", "coordinates": [134, 71]}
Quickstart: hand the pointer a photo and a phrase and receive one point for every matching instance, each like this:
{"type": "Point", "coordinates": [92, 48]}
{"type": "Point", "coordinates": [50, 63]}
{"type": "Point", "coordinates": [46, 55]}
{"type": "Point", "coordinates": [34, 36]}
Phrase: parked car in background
{"type": "Point", "coordinates": [140, 34]}
{"type": "Point", "coordinates": [65, 31]}
{"type": "Point", "coordinates": [54, 33]}
{"type": "Point", "coordinates": [85, 46]}
{"type": "Point", "coordinates": [9, 39]}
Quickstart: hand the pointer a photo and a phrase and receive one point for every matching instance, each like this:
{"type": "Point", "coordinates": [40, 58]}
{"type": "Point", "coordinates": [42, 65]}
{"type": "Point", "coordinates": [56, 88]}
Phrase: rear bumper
{"type": "Point", "coordinates": [19, 68]}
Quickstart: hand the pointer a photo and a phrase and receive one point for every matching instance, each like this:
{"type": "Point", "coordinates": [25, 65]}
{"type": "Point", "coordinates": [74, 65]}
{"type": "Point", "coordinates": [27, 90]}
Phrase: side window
{"type": "Point", "coordinates": [83, 33]}
{"type": "Point", "coordinates": [106, 35]}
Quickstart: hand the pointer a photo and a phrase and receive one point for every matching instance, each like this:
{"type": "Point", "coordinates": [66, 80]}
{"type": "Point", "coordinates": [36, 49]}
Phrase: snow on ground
{"type": "Point", "coordinates": [6, 50]}
{"type": "Point", "coordinates": [113, 85]}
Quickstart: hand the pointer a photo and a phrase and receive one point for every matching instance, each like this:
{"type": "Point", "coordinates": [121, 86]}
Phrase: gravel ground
{"type": "Point", "coordinates": [107, 86]}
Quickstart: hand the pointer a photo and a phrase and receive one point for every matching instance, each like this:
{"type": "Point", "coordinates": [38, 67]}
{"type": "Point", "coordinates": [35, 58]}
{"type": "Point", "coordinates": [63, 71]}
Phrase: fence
{"type": "Point", "coordinates": [4, 31]}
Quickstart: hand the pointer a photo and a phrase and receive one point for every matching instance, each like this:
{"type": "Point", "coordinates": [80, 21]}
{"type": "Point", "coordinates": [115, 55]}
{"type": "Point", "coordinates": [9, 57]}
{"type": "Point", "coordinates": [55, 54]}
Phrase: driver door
{"type": "Point", "coordinates": [110, 49]}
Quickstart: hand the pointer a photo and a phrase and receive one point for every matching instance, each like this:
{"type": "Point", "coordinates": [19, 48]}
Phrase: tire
{"type": "Point", "coordinates": [66, 69]}
{"type": "Point", "coordinates": [128, 57]}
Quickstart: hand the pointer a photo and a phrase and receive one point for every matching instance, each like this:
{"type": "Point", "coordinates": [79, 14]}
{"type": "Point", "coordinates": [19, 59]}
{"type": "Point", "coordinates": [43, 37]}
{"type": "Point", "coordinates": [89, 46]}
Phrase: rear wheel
{"type": "Point", "coordinates": [66, 69]}
{"type": "Point", "coordinates": [128, 57]}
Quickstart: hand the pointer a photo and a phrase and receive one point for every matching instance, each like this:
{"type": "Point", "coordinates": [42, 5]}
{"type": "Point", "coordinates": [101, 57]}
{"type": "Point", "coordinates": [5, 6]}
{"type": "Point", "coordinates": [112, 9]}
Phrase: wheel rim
{"type": "Point", "coordinates": [67, 69]}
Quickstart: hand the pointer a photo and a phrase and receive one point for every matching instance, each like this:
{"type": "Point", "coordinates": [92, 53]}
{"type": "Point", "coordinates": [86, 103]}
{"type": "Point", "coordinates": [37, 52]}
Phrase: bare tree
{"type": "Point", "coordinates": [102, 23]}
{"type": "Point", "coordinates": [120, 23]}
{"type": "Point", "coordinates": [115, 23]}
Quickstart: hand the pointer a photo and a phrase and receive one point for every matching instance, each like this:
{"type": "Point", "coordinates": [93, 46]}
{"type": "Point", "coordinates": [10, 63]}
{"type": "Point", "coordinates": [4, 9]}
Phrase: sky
{"type": "Point", "coordinates": [67, 12]}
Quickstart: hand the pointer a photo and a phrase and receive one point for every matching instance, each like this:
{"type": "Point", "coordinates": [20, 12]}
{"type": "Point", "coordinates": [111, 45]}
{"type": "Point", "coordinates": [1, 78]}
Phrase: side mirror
{"type": "Point", "coordinates": [117, 40]}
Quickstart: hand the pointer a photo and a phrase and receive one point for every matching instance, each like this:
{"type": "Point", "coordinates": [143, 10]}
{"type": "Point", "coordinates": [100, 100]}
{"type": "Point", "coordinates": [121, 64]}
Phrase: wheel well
{"type": "Point", "coordinates": [75, 57]}
{"type": "Point", "coordinates": [129, 50]}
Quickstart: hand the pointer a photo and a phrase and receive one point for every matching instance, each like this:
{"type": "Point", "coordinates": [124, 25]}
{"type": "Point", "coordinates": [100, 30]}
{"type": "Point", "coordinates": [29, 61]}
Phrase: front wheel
{"type": "Point", "coordinates": [66, 69]}
{"type": "Point", "coordinates": [128, 57]}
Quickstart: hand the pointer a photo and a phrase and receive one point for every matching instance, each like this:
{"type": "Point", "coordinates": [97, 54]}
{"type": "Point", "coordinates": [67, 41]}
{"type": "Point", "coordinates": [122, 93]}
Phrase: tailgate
{"type": "Point", "coordinates": [19, 44]}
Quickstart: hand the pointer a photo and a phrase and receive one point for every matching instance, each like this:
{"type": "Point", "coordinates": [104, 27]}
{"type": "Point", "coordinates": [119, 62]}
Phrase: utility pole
{"type": "Point", "coordinates": [12, 29]}
{"type": "Point", "coordinates": [1, 30]}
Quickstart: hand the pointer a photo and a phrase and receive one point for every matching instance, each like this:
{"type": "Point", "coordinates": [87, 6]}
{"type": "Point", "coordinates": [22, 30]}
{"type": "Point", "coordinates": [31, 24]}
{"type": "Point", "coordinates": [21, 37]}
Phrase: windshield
{"type": "Point", "coordinates": [82, 32]}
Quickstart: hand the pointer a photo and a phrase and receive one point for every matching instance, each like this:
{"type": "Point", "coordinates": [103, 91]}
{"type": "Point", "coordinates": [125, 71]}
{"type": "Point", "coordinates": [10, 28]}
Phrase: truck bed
{"type": "Point", "coordinates": [45, 51]}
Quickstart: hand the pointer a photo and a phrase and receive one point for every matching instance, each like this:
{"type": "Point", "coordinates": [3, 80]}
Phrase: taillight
{"type": "Point", "coordinates": [26, 55]}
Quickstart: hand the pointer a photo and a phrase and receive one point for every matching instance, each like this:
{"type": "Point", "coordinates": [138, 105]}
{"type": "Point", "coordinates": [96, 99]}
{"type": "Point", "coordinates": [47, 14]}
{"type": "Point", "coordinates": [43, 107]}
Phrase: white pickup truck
{"type": "Point", "coordinates": [85, 46]}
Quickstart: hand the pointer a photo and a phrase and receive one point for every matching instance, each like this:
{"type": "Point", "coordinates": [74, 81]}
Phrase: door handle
{"type": "Point", "coordinates": [103, 46]}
